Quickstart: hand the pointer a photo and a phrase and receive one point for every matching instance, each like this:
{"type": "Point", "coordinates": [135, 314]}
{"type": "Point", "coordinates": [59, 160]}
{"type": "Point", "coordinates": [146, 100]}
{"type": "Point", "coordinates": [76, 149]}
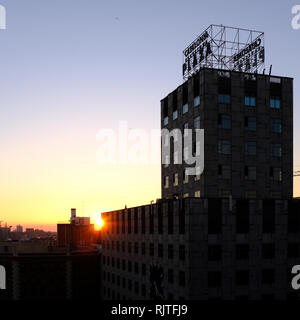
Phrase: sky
{"type": "Point", "coordinates": [70, 68]}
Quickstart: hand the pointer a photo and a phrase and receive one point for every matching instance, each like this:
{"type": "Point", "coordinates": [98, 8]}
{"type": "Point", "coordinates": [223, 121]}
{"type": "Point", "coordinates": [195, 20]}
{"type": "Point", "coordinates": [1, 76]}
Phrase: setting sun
{"type": "Point", "coordinates": [98, 222]}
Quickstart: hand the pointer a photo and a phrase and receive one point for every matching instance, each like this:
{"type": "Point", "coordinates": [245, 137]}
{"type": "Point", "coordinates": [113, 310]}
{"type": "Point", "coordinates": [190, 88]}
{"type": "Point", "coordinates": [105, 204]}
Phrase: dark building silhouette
{"type": "Point", "coordinates": [248, 135]}
{"type": "Point", "coordinates": [79, 232]}
{"type": "Point", "coordinates": [38, 272]}
{"type": "Point", "coordinates": [201, 249]}
{"type": "Point", "coordinates": [232, 232]}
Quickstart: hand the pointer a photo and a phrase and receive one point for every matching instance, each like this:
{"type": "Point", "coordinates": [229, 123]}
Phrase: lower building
{"type": "Point", "coordinates": [38, 272]}
{"type": "Point", "coordinates": [79, 232]}
{"type": "Point", "coordinates": [201, 249]}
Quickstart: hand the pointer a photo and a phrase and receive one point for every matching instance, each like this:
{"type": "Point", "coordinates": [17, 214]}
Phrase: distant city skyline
{"type": "Point", "coordinates": [72, 68]}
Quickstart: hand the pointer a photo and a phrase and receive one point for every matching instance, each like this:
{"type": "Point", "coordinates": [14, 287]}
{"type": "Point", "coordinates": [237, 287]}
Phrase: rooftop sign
{"type": "Point", "coordinates": [225, 48]}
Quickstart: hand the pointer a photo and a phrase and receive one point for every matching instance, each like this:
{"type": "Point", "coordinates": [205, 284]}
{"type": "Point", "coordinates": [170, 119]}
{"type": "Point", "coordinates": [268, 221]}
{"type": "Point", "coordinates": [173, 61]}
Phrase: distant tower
{"type": "Point", "coordinates": [73, 215]}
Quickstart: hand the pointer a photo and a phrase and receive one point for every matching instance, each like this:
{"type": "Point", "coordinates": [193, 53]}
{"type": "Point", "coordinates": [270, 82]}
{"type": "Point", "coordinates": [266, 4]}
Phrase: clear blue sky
{"type": "Point", "coordinates": [70, 67]}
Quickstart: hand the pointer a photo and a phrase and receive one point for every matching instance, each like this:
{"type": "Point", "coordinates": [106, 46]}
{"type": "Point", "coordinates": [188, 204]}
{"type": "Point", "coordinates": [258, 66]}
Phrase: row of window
{"type": "Point", "coordinates": [242, 278]}
{"type": "Point", "coordinates": [224, 172]}
{"type": "Point", "coordinates": [111, 277]}
{"type": "Point", "coordinates": [224, 147]}
{"type": "Point", "coordinates": [250, 101]}
{"type": "Point", "coordinates": [242, 251]}
{"type": "Point", "coordinates": [214, 279]}
{"type": "Point", "coordinates": [215, 253]}
{"type": "Point", "coordinates": [111, 293]}
{"type": "Point", "coordinates": [224, 122]}
{"type": "Point", "coordinates": [161, 222]}
{"type": "Point", "coordinates": [249, 194]}
{"type": "Point", "coordinates": [115, 245]}
{"type": "Point", "coordinates": [121, 282]}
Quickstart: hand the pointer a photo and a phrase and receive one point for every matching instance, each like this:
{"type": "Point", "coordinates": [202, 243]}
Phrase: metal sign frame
{"type": "Point", "coordinates": [226, 48]}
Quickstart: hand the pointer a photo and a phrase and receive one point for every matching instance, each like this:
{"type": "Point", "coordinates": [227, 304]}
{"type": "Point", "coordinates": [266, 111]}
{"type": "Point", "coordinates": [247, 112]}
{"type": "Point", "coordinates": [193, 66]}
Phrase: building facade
{"type": "Point", "coordinates": [248, 135]}
{"type": "Point", "coordinates": [36, 271]}
{"type": "Point", "coordinates": [201, 249]}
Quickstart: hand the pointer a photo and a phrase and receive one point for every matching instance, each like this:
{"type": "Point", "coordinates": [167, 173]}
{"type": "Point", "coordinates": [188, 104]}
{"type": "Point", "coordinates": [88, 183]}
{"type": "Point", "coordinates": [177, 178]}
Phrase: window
{"type": "Point", "coordinates": [197, 194]}
{"type": "Point", "coordinates": [215, 216]}
{"type": "Point", "coordinates": [166, 161]}
{"type": "Point", "coordinates": [160, 250]}
{"type": "Point", "coordinates": [129, 268]}
{"type": "Point", "coordinates": [224, 121]}
{"type": "Point", "coordinates": [293, 250]}
{"type": "Point", "coordinates": [214, 253]}
{"type": "Point", "coordinates": [250, 194]}
{"type": "Point", "coordinates": [129, 247]}
{"type": "Point", "coordinates": [276, 174]}
{"type": "Point", "coordinates": [224, 98]}
{"type": "Point", "coordinates": [175, 115]}
{"type": "Point", "coordinates": [123, 264]}
{"type": "Point", "coordinates": [144, 268]}
{"type": "Point", "coordinates": [165, 111]}
{"type": "Point", "coordinates": [129, 285]}
{"type": "Point", "coordinates": [276, 125]}
{"type": "Point", "coordinates": [242, 277]}
{"type": "Point", "coordinates": [185, 108]}
{"type": "Point", "coordinates": [197, 101]}
{"type": "Point", "coordinates": [250, 173]}
{"type": "Point", "coordinates": [186, 195]}
{"type": "Point", "coordinates": [242, 252]}
{"type": "Point", "coordinates": [170, 276]}
{"type": "Point", "coordinates": [250, 101]}
{"type": "Point", "coordinates": [185, 177]}
{"type": "Point", "coordinates": [224, 172]}
{"type": "Point", "coordinates": [224, 147]}
{"type": "Point", "coordinates": [268, 251]}
{"type": "Point", "coordinates": [136, 267]}
{"type": "Point", "coordinates": [136, 248]}
{"type": "Point", "coordinates": [143, 290]}
{"type": "Point", "coordinates": [214, 279]}
{"type": "Point", "coordinates": [250, 123]}
{"type": "Point", "coordinates": [170, 251]}
{"type": "Point", "coordinates": [175, 179]}
{"type": "Point", "coordinates": [185, 128]}
{"type": "Point", "coordinates": [268, 276]}
{"type": "Point", "coordinates": [250, 148]}
{"type": "Point", "coordinates": [182, 278]}
{"type": "Point", "coordinates": [197, 123]}
{"type": "Point", "coordinates": [151, 249]}
{"type": "Point", "coordinates": [268, 216]}
{"type": "Point", "coordinates": [197, 176]}
{"type": "Point", "coordinates": [166, 182]}
{"type": "Point", "coordinates": [224, 194]}
{"type": "Point", "coordinates": [275, 102]}
{"type": "Point", "coordinates": [196, 87]}
{"type": "Point", "coordinates": [276, 195]}
{"type": "Point", "coordinates": [276, 150]}
{"type": "Point", "coordinates": [242, 216]}
{"type": "Point", "coordinates": [182, 252]}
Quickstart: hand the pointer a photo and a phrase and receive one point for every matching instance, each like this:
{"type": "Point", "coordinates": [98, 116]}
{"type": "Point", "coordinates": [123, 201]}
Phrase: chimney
{"type": "Point", "coordinates": [73, 214]}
